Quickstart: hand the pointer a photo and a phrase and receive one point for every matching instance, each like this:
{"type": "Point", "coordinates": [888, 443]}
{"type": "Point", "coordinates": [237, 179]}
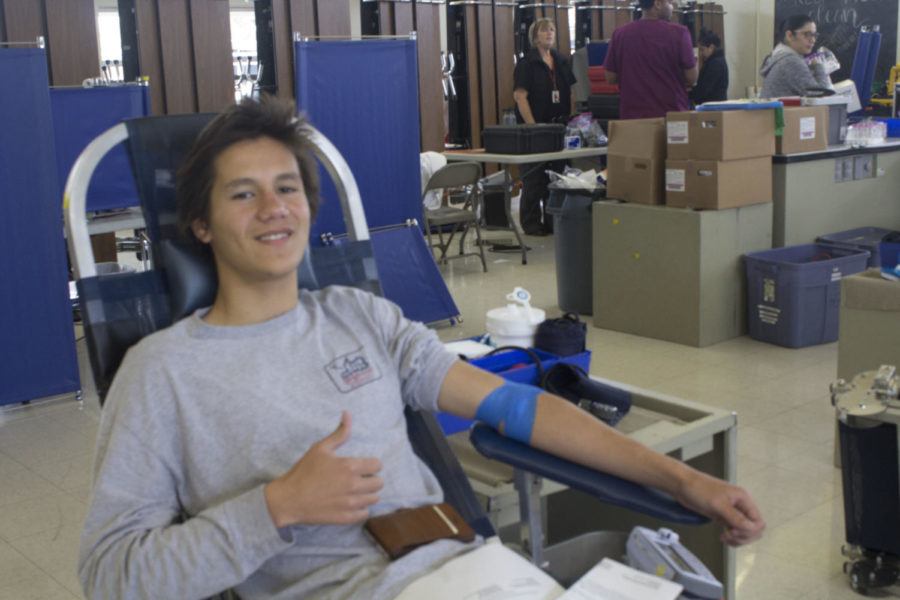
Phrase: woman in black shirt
{"type": "Point", "coordinates": [542, 90]}
{"type": "Point", "coordinates": [712, 84]}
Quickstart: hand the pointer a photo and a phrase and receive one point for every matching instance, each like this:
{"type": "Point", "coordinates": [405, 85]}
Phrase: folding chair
{"type": "Point", "coordinates": [118, 310]}
{"type": "Point", "coordinates": [465, 176]}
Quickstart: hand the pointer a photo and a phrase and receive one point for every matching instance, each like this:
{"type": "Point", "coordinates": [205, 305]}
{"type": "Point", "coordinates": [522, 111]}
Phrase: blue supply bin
{"type": "Point", "coordinates": [794, 293]}
{"type": "Point", "coordinates": [893, 127]}
{"type": "Point", "coordinates": [517, 366]}
{"type": "Point", "coordinates": [889, 255]}
{"type": "Point", "coordinates": [863, 238]}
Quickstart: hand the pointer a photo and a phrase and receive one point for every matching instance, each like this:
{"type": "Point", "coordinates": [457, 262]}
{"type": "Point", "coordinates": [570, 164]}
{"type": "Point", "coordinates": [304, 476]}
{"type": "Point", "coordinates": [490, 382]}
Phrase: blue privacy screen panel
{"type": "Point", "coordinates": [864, 64]}
{"type": "Point", "coordinates": [363, 96]}
{"type": "Point", "coordinates": [409, 276]}
{"type": "Point", "coordinates": [37, 342]}
{"type": "Point", "coordinates": [596, 52]}
{"type": "Point", "coordinates": [80, 115]}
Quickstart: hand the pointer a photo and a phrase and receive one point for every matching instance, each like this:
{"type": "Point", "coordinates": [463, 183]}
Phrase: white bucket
{"type": "Point", "coordinates": [513, 325]}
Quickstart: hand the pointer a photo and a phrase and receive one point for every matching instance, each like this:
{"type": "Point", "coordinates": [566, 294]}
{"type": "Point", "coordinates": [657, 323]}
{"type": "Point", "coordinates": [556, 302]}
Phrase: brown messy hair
{"type": "Point", "coordinates": [249, 120]}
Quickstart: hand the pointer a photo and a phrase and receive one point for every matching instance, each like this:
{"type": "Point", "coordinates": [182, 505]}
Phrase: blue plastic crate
{"type": "Point", "coordinates": [889, 255]}
{"type": "Point", "coordinates": [515, 366]}
{"type": "Point", "coordinates": [863, 238]}
{"type": "Point", "coordinates": [794, 293]}
{"type": "Point", "coordinates": [893, 127]}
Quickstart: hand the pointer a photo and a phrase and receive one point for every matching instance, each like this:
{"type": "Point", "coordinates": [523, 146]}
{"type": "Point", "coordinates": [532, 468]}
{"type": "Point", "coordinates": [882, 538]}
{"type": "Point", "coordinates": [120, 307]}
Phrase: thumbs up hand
{"type": "Point", "coordinates": [323, 488]}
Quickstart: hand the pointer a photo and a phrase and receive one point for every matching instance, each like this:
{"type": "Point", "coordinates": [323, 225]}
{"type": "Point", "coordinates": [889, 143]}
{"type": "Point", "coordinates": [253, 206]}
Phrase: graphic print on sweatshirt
{"type": "Point", "coordinates": [352, 370]}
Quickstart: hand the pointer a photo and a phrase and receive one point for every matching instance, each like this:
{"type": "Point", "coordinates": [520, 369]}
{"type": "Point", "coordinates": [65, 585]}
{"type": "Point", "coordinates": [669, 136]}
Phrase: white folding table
{"type": "Point", "coordinates": [517, 159]}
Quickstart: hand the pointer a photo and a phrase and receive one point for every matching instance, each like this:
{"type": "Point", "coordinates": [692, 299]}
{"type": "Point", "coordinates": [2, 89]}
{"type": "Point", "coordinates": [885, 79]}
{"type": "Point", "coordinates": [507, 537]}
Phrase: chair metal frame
{"type": "Point", "coordinates": [463, 175]}
{"type": "Point", "coordinates": [75, 195]}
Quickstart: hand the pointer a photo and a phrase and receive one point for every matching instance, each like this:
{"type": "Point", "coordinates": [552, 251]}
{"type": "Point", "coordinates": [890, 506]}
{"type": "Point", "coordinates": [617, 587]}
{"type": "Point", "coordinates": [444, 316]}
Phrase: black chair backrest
{"type": "Point", "coordinates": [156, 147]}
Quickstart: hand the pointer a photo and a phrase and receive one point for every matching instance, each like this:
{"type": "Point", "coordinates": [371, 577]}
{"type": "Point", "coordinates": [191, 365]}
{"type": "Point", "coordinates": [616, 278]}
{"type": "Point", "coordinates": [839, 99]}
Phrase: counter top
{"type": "Point", "coordinates": [889, 145]}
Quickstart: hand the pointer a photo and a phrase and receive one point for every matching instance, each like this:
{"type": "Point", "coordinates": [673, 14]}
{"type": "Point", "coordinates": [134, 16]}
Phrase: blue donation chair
{"type": "Point", "coordinates": [120, 309]}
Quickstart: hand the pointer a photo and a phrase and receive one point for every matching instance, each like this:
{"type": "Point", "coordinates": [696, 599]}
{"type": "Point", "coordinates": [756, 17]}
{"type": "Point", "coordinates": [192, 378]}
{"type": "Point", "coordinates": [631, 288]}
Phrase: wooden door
{"type": "Point", "coordinates": [431, 95]}
{"type": "Point", "coordinates": [624, 12]}
{"type": "Point", "coordinates": [595, 34]}
{"type": "Point", "coordinates": [563, 39]}
{"type": "Point", "coordinates": [610, 18]}
{"type": "Point", "coordinates": [24, 21]}
{"type": "Point", "coordinates": [718, 22]}
{"type": "Point", "coordinates": [473, 76]}
{"type": "Point", "coordinates": [505, 44]}
{"type": "Point", "coordinates": [333, 17]}
{"type": "Point", "coordinates": [211, 43]}
{"type": "Point", "coordinates": [175, 53]}
{"type": "Point", "coordinates": [71, 41]}
{"type": "Point", "coordinates": [487, 66]}
{"type": "Point", "coordinates": [404, 18]}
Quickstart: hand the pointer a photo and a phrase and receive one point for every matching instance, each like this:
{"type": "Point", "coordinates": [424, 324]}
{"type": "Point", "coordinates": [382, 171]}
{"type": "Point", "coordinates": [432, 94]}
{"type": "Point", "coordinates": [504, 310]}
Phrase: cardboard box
{"type": "Point", "coordinates": [805, 130]}
{"type": "Point", "coordinates": [635, 162]}
{"type": "Point", "coordinates": [641, 138]}
{"type": "Point", "coordinates": [718, 184]}
{"type": "Point", "coordinates": [868, 323]}
{"type": "Point", "coordinates": [674, 274]}
{"type": "Point", "coordinates": [837, 116]}
{"type": "Point", "coordinates": [635, 179]}
{"type": "Point", "coordinates": [720, 135]}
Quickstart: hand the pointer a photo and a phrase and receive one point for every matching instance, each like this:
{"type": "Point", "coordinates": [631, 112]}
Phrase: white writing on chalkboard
{"type": "Point", "coordinates": [828, 12]}
{"type": "Point", "coordinates": [839, 22]}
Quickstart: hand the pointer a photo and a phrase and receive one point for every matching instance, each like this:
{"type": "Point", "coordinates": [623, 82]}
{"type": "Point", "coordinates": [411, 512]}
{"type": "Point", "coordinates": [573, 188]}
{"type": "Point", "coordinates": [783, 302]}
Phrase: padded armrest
{"type": "Point", "coordinates": [607, 488]}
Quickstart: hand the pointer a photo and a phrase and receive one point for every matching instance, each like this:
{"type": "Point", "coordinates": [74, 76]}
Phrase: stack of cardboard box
{"type": "Point", "coordinates": [707, 159]}
{"type": "Point", "coordinates": [635, 160]}
{"type": "Point", "coordinates": [719, 159]}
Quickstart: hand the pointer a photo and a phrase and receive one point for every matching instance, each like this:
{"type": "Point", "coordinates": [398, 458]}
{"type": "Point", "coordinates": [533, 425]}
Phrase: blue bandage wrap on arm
{"type": "Point", "coordinates": [514, 405]}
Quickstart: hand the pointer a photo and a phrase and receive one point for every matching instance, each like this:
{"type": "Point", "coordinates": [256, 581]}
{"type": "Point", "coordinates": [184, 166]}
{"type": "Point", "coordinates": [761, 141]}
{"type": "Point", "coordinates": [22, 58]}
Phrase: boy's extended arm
{"type": "Point", "coordinates": [564, 430]}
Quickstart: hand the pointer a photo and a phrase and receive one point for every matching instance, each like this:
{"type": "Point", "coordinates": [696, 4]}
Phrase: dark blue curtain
{"type": "Point", "coordinates": [865, 61]}
{"type": "Point", "coordinates": [363, 96]}
{"type": "Point", "coordinates": [36, 333]}
{"type": "Point", "coordinates": [409, 276]}
{"type": "Point", "coordinates": [80, 115]}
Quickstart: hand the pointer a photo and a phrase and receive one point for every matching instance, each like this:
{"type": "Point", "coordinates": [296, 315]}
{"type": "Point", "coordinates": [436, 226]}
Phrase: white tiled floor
{"type": "Point", "coordinates": [784, 443]}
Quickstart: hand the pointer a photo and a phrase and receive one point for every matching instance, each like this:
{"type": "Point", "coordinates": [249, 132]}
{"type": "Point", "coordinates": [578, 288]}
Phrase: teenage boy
{"type": "Point", "coordinates": [245, 446]}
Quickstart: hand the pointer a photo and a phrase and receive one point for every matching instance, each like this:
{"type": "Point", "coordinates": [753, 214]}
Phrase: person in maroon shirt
{"type": "Point", "coordinates": [653, 62]}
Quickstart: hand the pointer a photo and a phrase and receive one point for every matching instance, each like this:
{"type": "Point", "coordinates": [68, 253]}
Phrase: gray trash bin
{"type": "Point", "coordinates": [571, 210]}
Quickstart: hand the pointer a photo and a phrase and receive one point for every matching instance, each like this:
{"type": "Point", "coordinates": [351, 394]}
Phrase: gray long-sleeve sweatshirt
{"type": "Point", "coordinates": [200, 418]}
{"type": "Point", "coordinates": [785, 73]}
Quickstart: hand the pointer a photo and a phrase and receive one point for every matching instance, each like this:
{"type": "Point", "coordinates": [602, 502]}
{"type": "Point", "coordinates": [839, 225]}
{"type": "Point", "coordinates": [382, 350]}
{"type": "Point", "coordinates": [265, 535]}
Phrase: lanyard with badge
{"type": "Point", "coordinates": [554, 95]}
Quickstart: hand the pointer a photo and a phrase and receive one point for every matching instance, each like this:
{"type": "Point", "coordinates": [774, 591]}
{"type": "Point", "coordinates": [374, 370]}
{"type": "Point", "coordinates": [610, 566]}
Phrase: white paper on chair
{"type": "Point", "coordinates": [491, 571]}
{"type": "Point", "coordinates": [611, 580]}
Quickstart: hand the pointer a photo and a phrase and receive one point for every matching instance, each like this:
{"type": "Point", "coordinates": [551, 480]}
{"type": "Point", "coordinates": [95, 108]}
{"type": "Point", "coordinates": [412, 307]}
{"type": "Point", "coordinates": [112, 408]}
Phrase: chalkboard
{"type": "Point", "coordinates": [839, 21]}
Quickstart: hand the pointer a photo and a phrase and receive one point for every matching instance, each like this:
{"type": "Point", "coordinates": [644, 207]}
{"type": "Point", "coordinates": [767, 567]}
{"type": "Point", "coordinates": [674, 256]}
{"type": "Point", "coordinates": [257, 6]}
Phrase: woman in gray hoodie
{"type": "Point", "coordinates": [786, 72]}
